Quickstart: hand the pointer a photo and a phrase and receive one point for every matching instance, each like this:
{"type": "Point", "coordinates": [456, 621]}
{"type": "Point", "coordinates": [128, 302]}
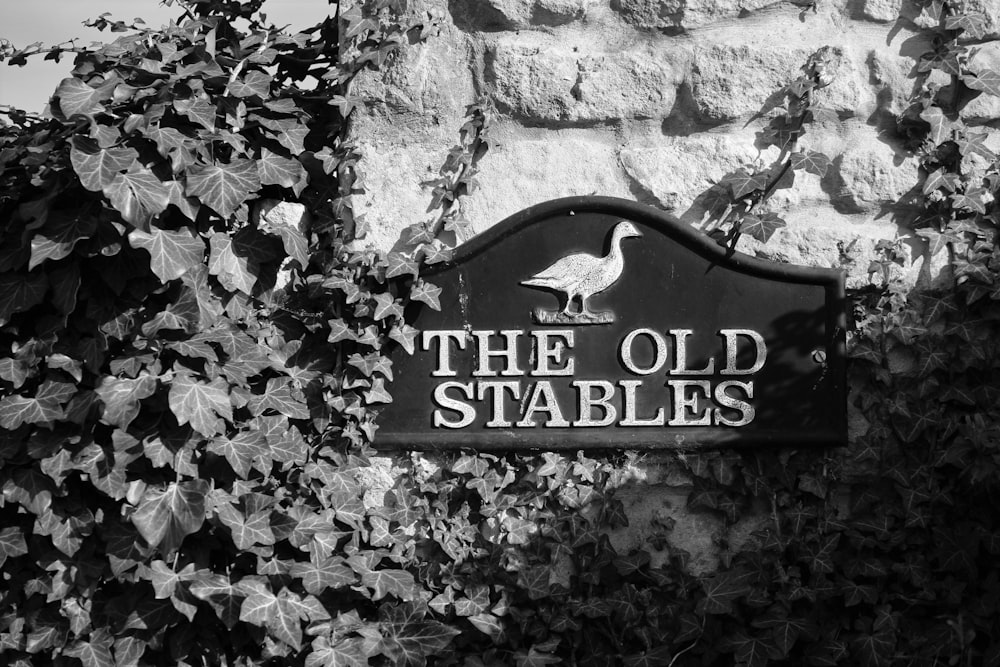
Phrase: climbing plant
{"type": "Point", "coordinates": [189, 391]}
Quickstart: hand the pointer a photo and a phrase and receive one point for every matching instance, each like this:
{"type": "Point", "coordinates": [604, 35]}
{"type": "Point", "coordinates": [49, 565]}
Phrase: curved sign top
{"type": "Point", "coordinates": [593, 322]}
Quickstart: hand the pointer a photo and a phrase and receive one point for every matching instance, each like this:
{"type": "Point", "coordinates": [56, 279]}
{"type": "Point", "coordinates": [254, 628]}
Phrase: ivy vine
{"type": "Point", "coordinates": [189, 394]}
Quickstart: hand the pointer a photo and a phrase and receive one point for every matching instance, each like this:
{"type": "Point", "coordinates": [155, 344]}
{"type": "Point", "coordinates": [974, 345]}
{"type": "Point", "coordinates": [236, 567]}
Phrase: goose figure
{"type": "Point", "coordinates": [582, 275]}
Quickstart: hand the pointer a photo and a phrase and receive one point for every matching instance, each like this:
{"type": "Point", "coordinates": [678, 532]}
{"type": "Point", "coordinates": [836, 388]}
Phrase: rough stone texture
{"type": "Point", "coordinates": [986, 107]}
{"type": "Point", "coordinates": [523, 14]}
{"type": "Point", "coordinates": [270, 214]}
{"type": "Point", "coordinates": [431, 81]}
{"type": "Point", "coordinates": [883, 11]}
{"type": "Point", "coordinates": [550, 81]}
{"type": "Point", "coordinates": [871, 176]}
{"type": "Point", "coordinates": [683, 14]}
{"type": "Point", "coordinates": [735, 81]}
{"type": "Point", "coordinates": [675, 171]}
{"type": "Point", "coordinates": [521, 172]}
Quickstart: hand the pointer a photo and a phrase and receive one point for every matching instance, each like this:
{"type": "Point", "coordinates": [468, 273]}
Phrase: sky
{"type": "Point", "coordinates": [23, 22]}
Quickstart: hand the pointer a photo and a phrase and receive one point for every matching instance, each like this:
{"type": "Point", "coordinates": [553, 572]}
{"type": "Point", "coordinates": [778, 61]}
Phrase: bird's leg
{"type": "Point", "coordinates": [569, 302]}
{"type": "Point", "coordinates": [583, 306]}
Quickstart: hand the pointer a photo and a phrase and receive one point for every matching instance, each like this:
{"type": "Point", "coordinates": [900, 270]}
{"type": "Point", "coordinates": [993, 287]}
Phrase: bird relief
{"type": "Point", "coordinates": [578, 277]}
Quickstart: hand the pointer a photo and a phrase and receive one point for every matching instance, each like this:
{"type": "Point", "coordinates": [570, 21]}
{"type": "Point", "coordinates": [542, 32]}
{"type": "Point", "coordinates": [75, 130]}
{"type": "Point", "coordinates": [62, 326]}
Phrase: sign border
{"type": "Point", "coordinates": [832, 280]}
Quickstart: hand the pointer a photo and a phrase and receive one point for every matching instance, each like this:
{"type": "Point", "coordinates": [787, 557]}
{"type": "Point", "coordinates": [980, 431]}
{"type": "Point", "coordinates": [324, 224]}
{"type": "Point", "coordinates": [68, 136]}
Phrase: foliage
{"type": "Point", "coordinates": [190, 392]}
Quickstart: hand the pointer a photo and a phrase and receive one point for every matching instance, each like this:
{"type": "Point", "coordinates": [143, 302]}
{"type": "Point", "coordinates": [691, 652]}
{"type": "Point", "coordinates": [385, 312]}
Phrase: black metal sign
{"type": "Point", "coordinates": [593, 322]}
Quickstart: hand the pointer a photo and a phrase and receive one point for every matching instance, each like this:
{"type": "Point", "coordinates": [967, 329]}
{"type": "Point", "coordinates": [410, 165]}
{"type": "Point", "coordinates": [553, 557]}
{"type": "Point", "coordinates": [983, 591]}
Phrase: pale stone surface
{"type": "Point", "coordinates": [273, 213]}
{"type": "Point", "coordinates": [986, 107]}
{"type": "Point", "coordinates": [546, 81]}
{"type": "Point", "coordinates": [432, 81]}
{"type": "Point", "coordinates": [521, 172]}
{"type": "Point", "coordinates": [524, 14]}
{"type": "Point", "coordinates": [395, 195]}
{"type": "Point", "coordinates": [679, 169]}
{"type": "Point", "coordinates": [683, 14]}
{"type": "Point", "coordinates": [872, 175]}
{"type": "Point", "coordinates": [376, 479]}
{"type": "Point", "coordinates": [883, 11]}
{"type": "Point", "coordinates": [730, 81]}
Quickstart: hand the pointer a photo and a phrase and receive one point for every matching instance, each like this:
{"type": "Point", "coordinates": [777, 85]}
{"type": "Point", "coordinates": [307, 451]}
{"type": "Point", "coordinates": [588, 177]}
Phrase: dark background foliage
{"type": "Point", "coordinates": [186, 441]}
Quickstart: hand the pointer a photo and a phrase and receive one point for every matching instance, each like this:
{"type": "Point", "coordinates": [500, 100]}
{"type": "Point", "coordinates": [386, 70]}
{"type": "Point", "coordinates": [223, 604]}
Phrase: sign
{"type": "Point", "coordinates": [593, 322]}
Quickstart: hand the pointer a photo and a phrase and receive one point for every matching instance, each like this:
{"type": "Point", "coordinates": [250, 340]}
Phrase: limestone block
{"type": "Point", "coordinates": [520, 14]}
{"type": "Point", "coordinates": [394, 197]}
{"type": "Point", "coordinates": [433, 78]}
{"type": "Point", "coordinates": [521, 172]}
{"type": "Point", "coordinates": [986, 107]}
{"type": "Point", "coordinates": [544, 81]}
{"type": "Point", "coordinates": [873, 176]}
{"type": "Point", "coordinates": [270, 214]}
{"type": "Point", "coordinates": [683, 14]}
{"type": "Point", "coordinates": [734, 81]}
{"type": "Point", "coordinates": [882, 11]}
{"type": "Point", "coordinates": [890, 75]}
{"type": "Point", "coordinates": [677, 171]}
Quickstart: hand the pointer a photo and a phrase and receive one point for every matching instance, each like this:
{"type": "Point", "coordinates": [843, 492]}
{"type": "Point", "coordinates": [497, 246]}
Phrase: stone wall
{"type": "Point", "coordinates": [655, 100]}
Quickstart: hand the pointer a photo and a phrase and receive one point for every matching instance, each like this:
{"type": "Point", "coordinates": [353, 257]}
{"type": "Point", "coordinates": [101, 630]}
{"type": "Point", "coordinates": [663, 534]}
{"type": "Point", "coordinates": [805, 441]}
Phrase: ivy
{"type": "Point", "coordinates": [189, 395]}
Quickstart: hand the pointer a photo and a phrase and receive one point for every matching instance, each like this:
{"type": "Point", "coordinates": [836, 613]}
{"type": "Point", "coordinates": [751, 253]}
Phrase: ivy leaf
{"type": "Point", "coordinates": [657, 657]}
{"type": "Point", "coordinates": [941, 127]}
{"type": "Point", "coordinates": [399, 583]}
{"type": "Point", "coordinates": [986, 80]}
{"type": "Point", "coordinates": [20, 292]}
{"type": "Point", "coordinates": [121, 397]}
{"type": "Point", "coordinates": [741, 183]}
{"type": "Point", "coordinates": [97, 167]}
{"type": "Point", "coordinates": [273, 169]}
{"type": "Point", "coordinates": [12, 543]}
{"type": "Point", "coordinates": [279, 397]}
{"type": "Point", "coordinates": [198, 110]}
{"type": "Point", "coordinates": [172, 253]}
{"type": "Point", "coordinates": [721, 590]}
{"type": "Point", "coordinates": [77, 98]}
{"type": "Point", "coordinates": [535, 658]}
{"type": "Point", "coordinates": [260, 605]}
{"type": "Point", "coordinates": [330, 573]}
{"type": "Point", "coordinates": [139, 196]}
{"type": "Point", "coordinates": [973, 23]}
{"type": "Point", "coordinates": [254, 83]}
{"type": "Point", "coordinates": [224, 598]}
{"type": "Point", "coordinates": [386, 306]}
{"type": "Point", "coordinates": [234, 268]}
{"type": "Point", "coordinates": [241, 450]}
{"type": "Point", "coordinates": [813, 162]}
{"type": "Point", "coordinates": [58, 237]}
{"type": "Point", "coordinates": [95, 652]}
{"type": "Point", "coordinates": [749, 651]}
{"type": "Point", "coordinates": [939, 178]}
{"type": "Point", "coordinates": [223, 187]}
{"type": "Point", "coordinates": [399, 264]}
{"type": "Point", "coordinates": [874, 650]}
{"type": "Point", "coordinates": [427, 293]}
{"type": "Point", "coordinates": [409, 639]}
{"type": "Point", "coordinates": [761, 227]}
{"type": "Point", "coordinates": [18, 410]}
{"type": "Point", "coordinates": [166, 516]}
{"type": "Point", "coordinates": [405, 335]}
{"type": "Point", "coordinates": [348, 652]}
{"type": "Point", "coordinates": [202, 404]}
{"type": "Point", "coordinates": [488, 624]}
{"type": "Point", "coordinates": [246, 531]}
